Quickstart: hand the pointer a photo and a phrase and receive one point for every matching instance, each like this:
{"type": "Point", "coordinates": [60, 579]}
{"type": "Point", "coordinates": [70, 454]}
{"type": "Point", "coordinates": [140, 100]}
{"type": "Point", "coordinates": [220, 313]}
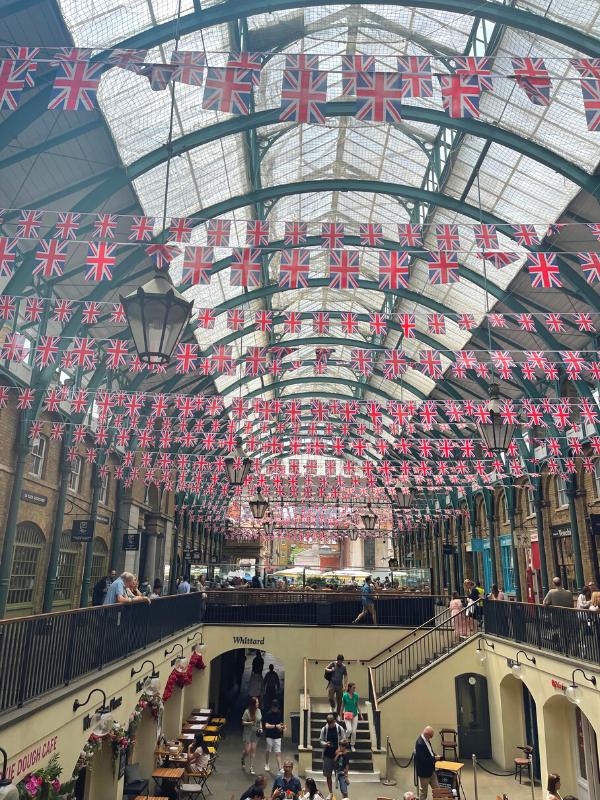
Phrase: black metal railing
{"type": "Point", "coordinates": [251, 606]}
{"type": "Point", "coordinates": [568, 631]}
{"type": "Point", "coordinates": [44, 652]}
{"type": "Point", "coordinates": [414, 656]}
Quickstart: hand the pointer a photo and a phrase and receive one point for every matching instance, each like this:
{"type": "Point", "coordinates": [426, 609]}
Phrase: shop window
{"type": "Point", "coordinates": [504, 507]}
{"type": "Point", "coordinates": [596, 477]}
{"type": "Point", "coordinates": [104, 489]}
{"type": "Point", "coordinates": [529, 504]}
{"type": "Point", "coordinates": [508, 582]}
{"type": "Point", "coordinates": [99, 563]}
{"type": "Point", "coordinates": [38, 456]}
{"type": "Point", "coordinates": [29, 542]}
{"type": "Point", "coordinates": [369, 553]}
{"type": "Point", "coordinates": [561, 491]}
{"type": "Point", "coordinates": [68, 560]}
{"type": "Point", "coordinates": [75, 474]}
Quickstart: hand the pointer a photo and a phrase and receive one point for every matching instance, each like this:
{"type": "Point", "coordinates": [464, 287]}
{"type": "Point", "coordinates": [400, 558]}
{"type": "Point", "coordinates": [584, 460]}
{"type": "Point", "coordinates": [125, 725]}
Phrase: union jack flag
{"type": "Point", "coordinates": [410, 235]}
{"type": "Point", "coordinates": [100, 261]}
{"type": "Point", "coordinates": [218, 232]}
{"type": "Point", "coordinates": [436, 323]}
{"type": "Point", "coordinates": [379, 96]}
{"type": "Point", "coordinates": [292, 322]}
{"type": "Point", "coordinates": [8, 253]}
{"type": "Point", "coordinates": [349, 322]}
{"type": "Point", "coordinates": [67, 225]}
{"type": "Point", "coordinates": [34, 309]}
{"type": "Point", "coordinates": [105, 226]}
{"type": "Point", "coordinates": [479, 67]}
{"type": "Point", "coordinates": [587, 67]}
{"type": "Point", "coordinates": [295, 233]}
{"type": "Point", "coordinates": [590, 265]}
{"type": "Point", "coordinates": [343, 269]}
{"type": "Point", "coordinates": [7, 307]}
{"type": "Point", "coordinates": [320, 322]}
{"type": "Point", "coordinates": [377, 323]}
{"type": "Point", "coordinates": [189, 66]}
{"type": "Point", "coordinates": [206, 318]}
{"type": "Point", "coordinates": [532, 76]}
{"type": "Point", "coordinates": [590, 90]}
{"type": "Point", "coordinates": [29, 224]}
{"type": "Point", "coordinates": [12, 82]}
{"type": "Point", "coordinates": [131, 60]}
{"type": "Point", "coordinates": [393, 269]}
{"type": "Point", "coordinates": [162, 254]}
{"type": "Point", "coordinates": [416, 76]}
{"type": "Point", "coordinates": [246, 267]}
{"type": "Point", "coordinates": [75, 86]}
{"type": "Point", "coordinates": [443, 267]}
{"type": "Point", "coordinates": [228, 89]}
{"type": "Point", "coordinates": [257, 361]}
{"type": "Point", "coordinates": [332, 234]}
{"type": "Point", "coordinates": [264, 321]}
{"type": "Point", "coordinates": [497, 258]}
{"type": "Point", "coordinates": [525, 235]}
{"type": "Point", "coordinates": [26, 56]}
{"type": "Point", "coordinates": [294, 269]}
{"type": "Point", "coordinates": [63, 310]}
{"type": "Point", "coordinates": [221, 359]}
{"type": "Point", "coordinates": [303, 96]}
{"type": "Point", "coordinates": [180, 229]}
{"type": "Point", "coordinates": [197, 265]}
{"type": "Point", "coordinates": [257, 233]}
{"type": "Point", "coordinates": [350, 66]}
{"type": "Point", "coordinates": [394, 363]}
{"type": "Point", "coordinates": [50, 257]}
{"type": "Point", "coordinates": [301, 61]}
{"type": "Point", "coordinates": [117, 314]}
{"type": "Point", "coordinates": [447, 237]}
{"type": "Point", "coordinates": [159, 75]}
{"type": "Point", "coordinates": [371, 234]}
{"type": "Point", "coordinates": [430, 363]}
{"type": "Point", "coordinates": [235, 319]}
{"type": "Point", "coordinates": [361, 361]}
{"type": "Point", "coordinates": [141, 229]}
{"type": "Point", "coordinates": [91, 312]}
{"type": "Point", "coordinates": [460, 95]}
{"type": "Point", "coordinates": [544, 271]}
{"type": "Point", "coordinates": [253, 62]}
{"type": "Point", "coordinates": [72, 54]}
{"type": "Point", "coordinates": [486, 236]}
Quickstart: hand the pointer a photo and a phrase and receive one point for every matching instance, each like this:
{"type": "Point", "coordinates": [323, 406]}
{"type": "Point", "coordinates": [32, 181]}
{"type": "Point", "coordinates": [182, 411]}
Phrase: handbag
{"type": "Point", "coordinates": [348, 715]}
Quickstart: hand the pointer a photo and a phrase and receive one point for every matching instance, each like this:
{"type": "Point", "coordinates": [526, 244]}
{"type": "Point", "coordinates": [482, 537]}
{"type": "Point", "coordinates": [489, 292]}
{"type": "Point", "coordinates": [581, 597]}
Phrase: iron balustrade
{"type": "Point", "coordinates": [430, 641]}
{"type": "Point", "coordinates": [568, 631]}
{"type": "Point", "coordinates": [305, 607]}
{"type": "Point", "coordinates": [41, 653]}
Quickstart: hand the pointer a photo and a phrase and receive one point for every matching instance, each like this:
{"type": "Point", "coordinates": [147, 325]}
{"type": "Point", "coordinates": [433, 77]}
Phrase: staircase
{"type": "Point", "coordinates": [361, 760]}
{"type": "Point", "coordinates": [431, 645]}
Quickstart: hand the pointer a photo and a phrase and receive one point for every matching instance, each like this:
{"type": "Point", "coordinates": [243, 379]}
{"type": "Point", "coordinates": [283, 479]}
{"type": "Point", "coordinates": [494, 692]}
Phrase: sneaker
{"type": "Point", "coordinates": [252, 771]}
{"type": "Point", "coordinates": [353, 748]}
{"type": "Point", "coordinates": [267, 768]}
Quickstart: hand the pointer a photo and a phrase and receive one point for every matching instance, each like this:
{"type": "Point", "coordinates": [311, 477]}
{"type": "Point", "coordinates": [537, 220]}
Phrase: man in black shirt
{"type": "Point", "coordinates": [274, 728]}
{"type": "Point", "coordinates": [257, 790]}
{"type": "Point", "coordinates": [331, 736]}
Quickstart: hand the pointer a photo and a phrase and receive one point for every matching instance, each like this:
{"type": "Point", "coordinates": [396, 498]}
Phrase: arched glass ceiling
{"type": "Point", "coordinates": [508, 181]}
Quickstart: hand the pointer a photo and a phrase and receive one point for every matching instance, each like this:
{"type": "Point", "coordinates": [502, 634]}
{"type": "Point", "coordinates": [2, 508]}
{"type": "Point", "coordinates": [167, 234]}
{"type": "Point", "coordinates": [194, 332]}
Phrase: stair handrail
{"type": "Point", "coordinates": [427, 624]}
{"type": "Point", "coordinates": [399, 653]}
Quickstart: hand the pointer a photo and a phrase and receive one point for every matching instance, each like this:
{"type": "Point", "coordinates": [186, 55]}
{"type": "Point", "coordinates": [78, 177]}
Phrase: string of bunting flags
{"type": "Point", "coordinates": [229, 87]}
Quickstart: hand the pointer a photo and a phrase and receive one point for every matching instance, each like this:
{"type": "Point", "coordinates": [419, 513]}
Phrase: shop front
{"type": "Point", "coordinates": [562, 549]}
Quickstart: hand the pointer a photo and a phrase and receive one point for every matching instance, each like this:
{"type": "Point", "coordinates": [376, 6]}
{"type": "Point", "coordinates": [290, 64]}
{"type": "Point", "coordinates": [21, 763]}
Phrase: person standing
{"type": "Point", "coordinates": [255, 687]}
{"type": "Point", "coordinates": [251, 724]}
{"type": "Point", "coordinates": [101, 588]}
{"type": "Point", "coordinates": [271, 687]}
{"type": "Point", "coordinates": [425, 760]}
{"type": "Point", "coordinates": [342, 765]}
{"type": "Point", "coordinates": [368, 602]}
{"type": "Point", "coordinates": [184, 586]}
{"type": "Point", "coordinates": [558, 595]}
{"type": "Point", "coordinates": [337, 675]}
{"type": "Point", "coordinates": [274, 729]}
{"type": "Point", "coordinates": [257, 581]}
{"type": "Point", "coordinates": [351, 712]}
{"type": "Point", "coordinates": [331, 735]}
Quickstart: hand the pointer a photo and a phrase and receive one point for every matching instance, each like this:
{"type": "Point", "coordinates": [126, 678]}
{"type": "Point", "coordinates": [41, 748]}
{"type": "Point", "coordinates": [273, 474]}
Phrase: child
{"type": "Point", "coordinates": [341, 765]}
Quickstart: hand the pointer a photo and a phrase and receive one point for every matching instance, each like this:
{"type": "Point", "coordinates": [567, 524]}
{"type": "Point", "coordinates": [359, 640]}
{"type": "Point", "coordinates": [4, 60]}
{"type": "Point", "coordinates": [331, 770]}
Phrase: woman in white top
{"type": "Point", "coordinates": [585, 598]}
{"type": "Point", "coordinates": [310, 791]}
{"type": "Point", "coordinates": [553, 786]}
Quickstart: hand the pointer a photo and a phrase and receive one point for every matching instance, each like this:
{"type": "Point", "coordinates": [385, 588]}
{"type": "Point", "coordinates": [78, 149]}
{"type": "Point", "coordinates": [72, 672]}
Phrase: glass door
{"type": "Point", "coordinates": [586, 759]}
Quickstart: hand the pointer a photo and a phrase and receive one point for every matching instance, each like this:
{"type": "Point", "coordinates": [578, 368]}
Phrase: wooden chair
{"type": "Point", "coordinates": [522, 762]}
{"type": "Point", "coordinates": [193, 785]}
{"type": "Point", "coordinates": [449, 739]}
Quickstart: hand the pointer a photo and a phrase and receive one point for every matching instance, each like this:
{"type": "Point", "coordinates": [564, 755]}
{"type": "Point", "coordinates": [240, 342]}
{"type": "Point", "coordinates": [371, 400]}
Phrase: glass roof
{"type": "Point", "coordinates": [508, 184]}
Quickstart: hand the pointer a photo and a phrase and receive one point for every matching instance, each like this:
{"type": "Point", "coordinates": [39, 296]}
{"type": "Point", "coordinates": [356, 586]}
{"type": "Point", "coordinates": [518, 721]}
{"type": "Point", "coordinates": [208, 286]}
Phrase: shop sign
{"type": "Point", "coordinates": [247, 640]}
{"type": "Point", "coordinates": [103, 519]}
{"type": "Point", "coordinates": [131, 541]}
{"type": "Point", "coordinates": [33, 498]}
{"type": "Point", "coordinates": [558, 685]}
{"type": "Point", "coordinates": [560, 531]}
{"type": "Point", "coordinates": [82, 530]}
{"type": "Point", "coordinates": [31, 759]}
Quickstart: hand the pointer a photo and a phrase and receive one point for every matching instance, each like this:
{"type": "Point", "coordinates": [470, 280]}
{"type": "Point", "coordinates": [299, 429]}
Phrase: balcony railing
{"type": "Point", "coordinates": [47, 651]}
{"type": "Point", "coordinates": [567, 631]}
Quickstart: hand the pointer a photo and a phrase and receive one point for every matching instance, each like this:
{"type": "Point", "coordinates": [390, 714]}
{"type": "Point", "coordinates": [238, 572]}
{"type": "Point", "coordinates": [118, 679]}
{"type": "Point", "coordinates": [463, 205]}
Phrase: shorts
{"type": "Point", "coordinates": [366, 602]}
{"type": "Point", "coordinates": [273, 745]}
{"type": "Point", "coordinates": [343, 783]}
{"type": "Point", "coordinates": [328, 766]}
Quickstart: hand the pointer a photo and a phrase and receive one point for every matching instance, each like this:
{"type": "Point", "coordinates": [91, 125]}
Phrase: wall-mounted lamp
{"type": "Point", "coordinates": [199, 644]}
{"type": "Point", "coordinates": [480, 653]}
{"type": "Point", "coordinates": [150, 683]}
{"type": "Point", "coordinates": [7, 790]}
{"type": "Point", "coordinates": [516, 665]}
{"type": "Point", "coordinates": [180, 662]}
{"type": "Point", "coordinates": [573, 692]}
{"type": "Point", "coordinates": [101, 721]}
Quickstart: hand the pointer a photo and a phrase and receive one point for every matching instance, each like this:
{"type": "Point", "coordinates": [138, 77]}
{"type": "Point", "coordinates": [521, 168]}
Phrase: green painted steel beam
{"type": "Point", "coordinates": [429, 116]}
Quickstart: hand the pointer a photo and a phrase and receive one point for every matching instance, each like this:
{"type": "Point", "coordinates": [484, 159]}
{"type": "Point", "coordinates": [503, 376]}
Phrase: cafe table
{"type": "Point", "coordinates": [162, 774]}
{"type": "Point", "coordinates": [453, 767]}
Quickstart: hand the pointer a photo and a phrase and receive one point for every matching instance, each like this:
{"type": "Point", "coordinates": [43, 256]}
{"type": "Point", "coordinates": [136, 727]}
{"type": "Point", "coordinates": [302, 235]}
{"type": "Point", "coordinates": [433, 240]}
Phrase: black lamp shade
{"type": "Point", "coordinates": [353, 534]}
{"type": "Point", "coordinates": [157, 315]}
{"type": "Point", "coordinates": [369, 518]}
{"type": "Point", "coordinates": [496, 434]}
{"type": "Point", "coordinates": [258, 505]}
{"type": "Point", "coordinates": [237, 465]}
